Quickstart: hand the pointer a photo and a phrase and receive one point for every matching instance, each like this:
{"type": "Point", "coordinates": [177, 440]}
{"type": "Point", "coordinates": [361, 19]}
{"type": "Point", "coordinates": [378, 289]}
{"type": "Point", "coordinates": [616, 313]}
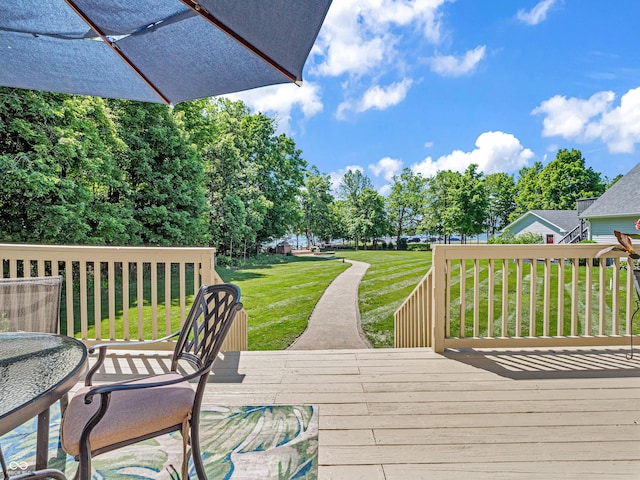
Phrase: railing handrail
{"type": "Point", "coordinates": [502, 300]}
{"type": "Point", "coordinates": [199, 262]}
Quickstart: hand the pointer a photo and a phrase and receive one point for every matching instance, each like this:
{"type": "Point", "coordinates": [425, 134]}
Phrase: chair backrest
{"type": "Point", "coordinates": [30, 304]}
{"type": "Point", "coordinates": [206, 326]}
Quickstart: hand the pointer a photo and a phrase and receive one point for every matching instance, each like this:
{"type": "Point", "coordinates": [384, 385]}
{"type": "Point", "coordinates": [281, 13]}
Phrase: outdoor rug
{"type": "Point", "coordinates": [238, 443]}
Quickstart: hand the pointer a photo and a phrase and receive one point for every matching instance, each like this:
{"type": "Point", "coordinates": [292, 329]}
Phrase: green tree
{"type": "Point", "coordinates": [351, 189]}
{"type": "Point", "coordinates": [501, 203]}
{"type": "Point", "coordinates": [245, 158]}
{"type": "Point", "coordinates": [316, 203]}
{"type": "Point", "coordinates": [60, 179]}
{"type": "Point", "coordinates": [375, 222]}
{"type": "Point", "coordinates": [471, 202]}
{"type": "Point", "coordinates": [567, 179]}
{"type": "Point", "coordinates": [406, 202]}
{"type": "Point", "coordinates": [558, 185]}
{"type": "Point", "coordinates": [165, 174]}
{"type": "Point", "coordinates": [439, 216]}
{"type": "Point", "coordinates": [528, 190]}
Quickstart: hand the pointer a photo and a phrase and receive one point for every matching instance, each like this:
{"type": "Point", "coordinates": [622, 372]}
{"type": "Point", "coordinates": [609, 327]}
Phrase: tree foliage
{"type": "Point", "coordinates": [558, 185]}
{"type": "Point", "coordinates": [317, 206]}
{"type": "Point", "coordinates": [501, 204]}
{"type": "Point", "coordinates": [246, 163]}
{"type": "Point", "coordinates": [82, 170]}
{"type": "Point", "coordinates": [406, 202]}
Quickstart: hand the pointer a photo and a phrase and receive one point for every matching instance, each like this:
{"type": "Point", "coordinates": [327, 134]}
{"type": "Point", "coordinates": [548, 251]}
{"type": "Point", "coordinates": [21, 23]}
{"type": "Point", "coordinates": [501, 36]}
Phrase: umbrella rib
{"type": "Point", "coordinates": [203, 12]}
{"type": "Point", "coordinates": [116, 50]}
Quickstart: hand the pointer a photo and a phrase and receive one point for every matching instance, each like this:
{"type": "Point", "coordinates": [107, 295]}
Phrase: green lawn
{"type": "Point", "coordinates": [389, 280]}
{"type": "Point", "coordinates": [279, 297]}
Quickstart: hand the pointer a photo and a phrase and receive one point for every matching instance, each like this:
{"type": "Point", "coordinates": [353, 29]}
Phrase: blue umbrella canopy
{"type": "Point", "coordinates": [155, 50]}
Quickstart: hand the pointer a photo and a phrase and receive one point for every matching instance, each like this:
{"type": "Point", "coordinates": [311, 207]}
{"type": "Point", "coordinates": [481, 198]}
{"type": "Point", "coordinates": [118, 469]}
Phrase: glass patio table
{"type": "Point", "coordinates": [36, 370]}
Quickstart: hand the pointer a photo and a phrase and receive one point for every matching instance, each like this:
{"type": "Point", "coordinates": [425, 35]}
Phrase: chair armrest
{"type": "Point", "coordinates": [105, 390]}
{"type": "Point", "coordinates": [102, 352]}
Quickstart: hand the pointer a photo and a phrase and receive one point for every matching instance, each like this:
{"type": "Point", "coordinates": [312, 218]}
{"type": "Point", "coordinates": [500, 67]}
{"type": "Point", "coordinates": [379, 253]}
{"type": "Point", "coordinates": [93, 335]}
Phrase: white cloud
{"type": "Point", "coordinates": [452, 66]}
{"type": "Point", "coordinates": [376, 97]}
{"type": "Point", "coordinates": [568, 117]}
{"type": "Point", "coordinates": [386, 167]}
{"type": "Point", "coordinates": [357, 37]}
{"type": "Point", "coordinates": [428, 144]}
{"type": "Point", "coordinates": [336, 177]}
{"type": "Point", "coordinates": [537, 14]}
{"type": "Point", "coordinates": [280, 100]}
{"type": "Point", "coordinates": [595, 119]}
{"type": "Point", "coordinates": [494, 152]}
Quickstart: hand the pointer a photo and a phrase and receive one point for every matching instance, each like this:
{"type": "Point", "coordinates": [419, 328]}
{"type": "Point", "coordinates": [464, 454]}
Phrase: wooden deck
{"type": "Point", "coordinates": [412, 414]}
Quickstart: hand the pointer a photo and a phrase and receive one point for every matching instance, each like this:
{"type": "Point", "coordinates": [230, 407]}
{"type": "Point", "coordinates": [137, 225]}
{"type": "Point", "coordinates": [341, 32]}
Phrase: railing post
{"type": "Point", "coordinates": [438, 304]}
{"type": "Point", "coordinates": [208, 268]}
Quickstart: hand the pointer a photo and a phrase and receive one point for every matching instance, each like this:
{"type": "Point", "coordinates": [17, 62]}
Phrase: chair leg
{"type": "Point", "coordinates": [5, 473]}
{"type": "Point", "coordinates": [195, 449]}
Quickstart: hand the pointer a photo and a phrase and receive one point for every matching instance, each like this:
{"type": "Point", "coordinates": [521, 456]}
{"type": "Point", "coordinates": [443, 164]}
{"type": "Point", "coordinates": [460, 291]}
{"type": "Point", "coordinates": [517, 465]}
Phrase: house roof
{"type": "Point", "coordinates": [565, 220]}
{"type": "Point", "coordinates": [623, 198]}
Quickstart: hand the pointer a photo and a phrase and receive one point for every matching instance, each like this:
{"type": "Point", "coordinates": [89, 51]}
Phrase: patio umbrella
{"type": "Point", "coordinates": [155, 50]}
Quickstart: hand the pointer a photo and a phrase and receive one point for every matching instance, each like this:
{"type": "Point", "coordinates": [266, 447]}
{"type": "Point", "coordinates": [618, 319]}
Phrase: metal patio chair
{"type": "Point", "coordinates": [31, 304]}
{"type": "Point", "coordinates": [103, 418]}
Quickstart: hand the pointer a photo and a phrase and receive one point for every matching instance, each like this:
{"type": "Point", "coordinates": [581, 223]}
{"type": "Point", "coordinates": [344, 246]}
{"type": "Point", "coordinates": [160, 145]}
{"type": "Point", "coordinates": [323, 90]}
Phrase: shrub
{"type": "Point", "coordinates": [508, 238]}
{"type": "Point", "coordinates": [419, 247]}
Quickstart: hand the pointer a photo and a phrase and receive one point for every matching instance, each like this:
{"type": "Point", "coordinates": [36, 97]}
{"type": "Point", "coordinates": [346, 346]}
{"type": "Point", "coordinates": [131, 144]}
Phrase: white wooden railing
{"type": "Point", "coordinates": [478, 296]}
{"type": "Point", "coordinates": [106, 275]}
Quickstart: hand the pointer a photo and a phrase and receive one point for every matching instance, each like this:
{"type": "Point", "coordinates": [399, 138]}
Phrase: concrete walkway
{"type": "Point", "coordinates": [335, 322]}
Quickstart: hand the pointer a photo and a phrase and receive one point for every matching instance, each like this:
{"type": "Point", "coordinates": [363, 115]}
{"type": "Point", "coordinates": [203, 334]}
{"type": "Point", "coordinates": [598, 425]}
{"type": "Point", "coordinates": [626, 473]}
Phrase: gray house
{"type": "Point", "coordinates": [616, 209]}
{"type": "Point", "coordinates": [553, 225]}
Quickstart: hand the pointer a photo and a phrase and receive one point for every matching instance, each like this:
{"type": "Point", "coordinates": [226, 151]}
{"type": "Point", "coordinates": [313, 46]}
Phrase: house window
{"type": "Point", "coordinates": [549, 237]}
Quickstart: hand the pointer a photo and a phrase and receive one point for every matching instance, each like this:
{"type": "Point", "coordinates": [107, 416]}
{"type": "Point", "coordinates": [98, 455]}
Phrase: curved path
{"type": "Point", "coordinates": [335, 321]}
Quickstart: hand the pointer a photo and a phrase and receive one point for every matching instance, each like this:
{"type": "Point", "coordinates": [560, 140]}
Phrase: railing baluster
{"type": "Point", "coordinates": [97, 301]}
{"type": "Point", "coordinates": [125, 299]}
{"type": "Point", "coordinates": [615, 298]}
{"type": "Point", "coordinates": [505, 298]}
{"type": "Point", "coordinates": [84, 315]}
{"type": "Point", "coordinates": [490, 303]}
{"type": "Point", "coordinates": [519, 275]}
{"type": "Point", "coordinates": [167, 298]}
{"type": "Point", "coordinates": [575, 266]}
{"type": "Point", "coordinates": [533, 289]}
{"type": "Point", "coordinates": [546, 314]}
{"type": "Point", "coordinates": [140, 299]}
{"type": "Point", "coordinates": [560, 326]}
{"type": "Point", "coordinates": [463, 291]}
{"type": "Point", "coordinates": [154, 300]}
{"type": "Point", "coordinates": [476, 297]}
{"type": "Point", "coordinates": [183, 293]}
{"type": "Point", "coordinates": [630, 308]}
{"type": "Point", "coordinates": [111, 289]}
{"type": "Point", "coordinates": [447, 290]}
{"type": "Point", "coordinates": [588, 291]}
{"type": "Point", "coordinates": [602, 297]}
{"type": "Point", "coordinates": [68, 272]}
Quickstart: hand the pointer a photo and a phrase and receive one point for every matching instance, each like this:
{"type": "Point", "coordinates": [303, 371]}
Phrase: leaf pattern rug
{"type": "Point", "coordinates": [238, 443]}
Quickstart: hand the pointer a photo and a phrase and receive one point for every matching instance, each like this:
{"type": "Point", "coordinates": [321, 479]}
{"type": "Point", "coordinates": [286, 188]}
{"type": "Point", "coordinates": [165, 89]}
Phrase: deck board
{"type": "Point", "coordinates": [412, 414]}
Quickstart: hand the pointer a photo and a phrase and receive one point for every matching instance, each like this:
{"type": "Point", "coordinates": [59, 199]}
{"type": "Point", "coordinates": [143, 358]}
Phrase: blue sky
{"type": "Point", "coordinates": [440, 84]}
